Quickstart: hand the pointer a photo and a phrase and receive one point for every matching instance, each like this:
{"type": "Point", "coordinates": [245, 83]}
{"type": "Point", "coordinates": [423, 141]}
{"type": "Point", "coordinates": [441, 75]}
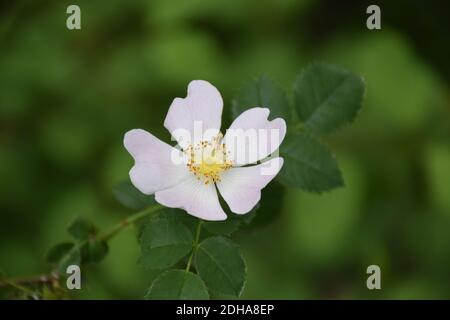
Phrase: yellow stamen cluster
{"type": "Point", "coordinates": [208, 159]}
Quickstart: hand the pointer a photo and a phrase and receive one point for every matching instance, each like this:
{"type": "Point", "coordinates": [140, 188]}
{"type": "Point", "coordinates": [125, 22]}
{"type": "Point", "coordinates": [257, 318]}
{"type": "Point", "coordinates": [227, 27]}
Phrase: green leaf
{"type": "Point", "coordinates": [64, 255]}
{"type": "Point", "coordinates": [81, 228]}
{"type": "Point", "coordinates": [248, 217]}
{"type": "Point", "coordinates": [177, 285]}
{"type": "Point", "coordinates": [93, 251]}
{"type": "Point", "coordinates": [265, 211]}
{"type": "Point", "coordinates": [220, 264]}
{"type": "Point", "coordinates": [72, 257]}
{"type": "Point", "coordinates": [308, 164]}
{"type": "Point", "coordinates": [269, 207]}
{"type": "Point", "coordinates": [164, 241]}
{"type": "Point", "coordinates": [55, 254]}
{"type": "Point", "coordinates": [189, 221]}
{"type": "Point", "coordinates": [327, 97]}
{"type": "Point", "coordinates": [226, 227]}
{"type": "Point", "coordinates": [132, 198]}
{"type": "Point", "coordinates": [262, 92]}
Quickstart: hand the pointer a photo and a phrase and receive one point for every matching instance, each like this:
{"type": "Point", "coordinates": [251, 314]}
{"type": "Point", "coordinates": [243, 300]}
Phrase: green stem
{"type": "Point", "coordinates": [128, 221]}
{"type": "Point", "coordinates": [19, 287]}
{"type": "Point", "coordinates": [194, 245]}
{"type": "Point", "coordinates": [105, 237]}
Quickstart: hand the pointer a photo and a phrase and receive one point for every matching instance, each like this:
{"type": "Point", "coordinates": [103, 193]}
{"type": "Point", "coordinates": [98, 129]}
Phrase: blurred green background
{"type": "Point", "coordinates": [67, 98]}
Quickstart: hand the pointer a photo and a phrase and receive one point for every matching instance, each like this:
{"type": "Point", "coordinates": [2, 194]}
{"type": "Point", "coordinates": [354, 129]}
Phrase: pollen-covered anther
{"type": "Point", "coordinates": [208, 159]}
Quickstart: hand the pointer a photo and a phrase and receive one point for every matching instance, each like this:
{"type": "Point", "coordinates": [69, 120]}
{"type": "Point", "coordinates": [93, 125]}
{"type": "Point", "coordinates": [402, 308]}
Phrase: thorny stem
{"type": "Point", "coordinates": [16, 282]}
{"type": "Point", "coordinates": [194, 245]}
{"type": "Point", "coordinates": [41, 278]}
{"type": "Point", "coordinates": [18, 286]}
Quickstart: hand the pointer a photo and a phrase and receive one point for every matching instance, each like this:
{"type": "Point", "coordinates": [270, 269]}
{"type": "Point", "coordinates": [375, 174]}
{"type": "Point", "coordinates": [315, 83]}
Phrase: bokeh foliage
{"type": "Point", "coordinates": [67, 97]}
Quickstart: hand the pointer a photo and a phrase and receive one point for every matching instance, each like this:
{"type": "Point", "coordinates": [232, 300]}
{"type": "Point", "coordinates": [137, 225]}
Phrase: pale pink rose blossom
{"type": "Point", "coordinates": [207, 164]}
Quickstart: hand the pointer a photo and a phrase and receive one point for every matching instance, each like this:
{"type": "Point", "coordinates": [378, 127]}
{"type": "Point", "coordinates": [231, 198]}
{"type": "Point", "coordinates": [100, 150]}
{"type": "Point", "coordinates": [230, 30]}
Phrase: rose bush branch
{"type": "Point", "coordinates": [77, 228]}
{"type": "Point", "coordinates": [211, 191]}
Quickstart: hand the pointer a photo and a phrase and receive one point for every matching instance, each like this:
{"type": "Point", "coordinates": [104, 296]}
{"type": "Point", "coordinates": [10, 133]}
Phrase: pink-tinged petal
{"type": "Point", "coordinates": [241, 187]}
{"type": "Point", "coordinates": [199, 112]}
{"type": "Point", "coordinates": [252, 137]}
{"type": "Point", "coordinates": [156, 166]}
{"type": "Point", "coordinates": [198, 199]}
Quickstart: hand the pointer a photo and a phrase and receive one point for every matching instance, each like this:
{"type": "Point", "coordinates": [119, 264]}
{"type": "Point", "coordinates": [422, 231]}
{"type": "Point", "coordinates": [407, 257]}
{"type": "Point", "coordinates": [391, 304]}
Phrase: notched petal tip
{"type": "Point", "coordinates": [220, 217]}
{"type": "Point", "coordinates": [281, 159]}
{"type": "Point", "coordinates": [202, 108]}
{"type": "Point", "coordinates": [200, 84]}
{"type": "Point", "coordinates": [280, 123]}
{"type": "Point", "coordinates": [250, 123]}
{"type": "Point", "coordinates": [154, 167]}
{"type": "Point", "coordinates": [136, 181]}
{"type": "Point", "coordinates": [266, 110]}
{"type": "Point", "coordinates": [244, 210]}
{"type": "Point", "coordinates": [134, 136]}
{"type": "Point", "coordinates": [241, 187]}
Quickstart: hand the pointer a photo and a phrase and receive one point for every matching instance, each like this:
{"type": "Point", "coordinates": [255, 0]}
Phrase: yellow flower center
{"type": "Point", "coordinates": [208, 159]}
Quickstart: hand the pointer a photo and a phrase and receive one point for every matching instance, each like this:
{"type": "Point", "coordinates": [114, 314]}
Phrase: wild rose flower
{"type": "Point", "coordinates": [187, 177]}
